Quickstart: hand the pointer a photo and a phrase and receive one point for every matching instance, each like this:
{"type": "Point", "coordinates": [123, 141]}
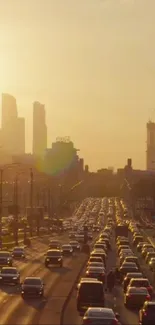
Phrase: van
{"type": "Point", "coordinates": [90, 294]}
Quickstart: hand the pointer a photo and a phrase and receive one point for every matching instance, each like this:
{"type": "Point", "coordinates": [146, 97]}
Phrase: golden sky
{"type": "Point", "coordinates": [92, 63]}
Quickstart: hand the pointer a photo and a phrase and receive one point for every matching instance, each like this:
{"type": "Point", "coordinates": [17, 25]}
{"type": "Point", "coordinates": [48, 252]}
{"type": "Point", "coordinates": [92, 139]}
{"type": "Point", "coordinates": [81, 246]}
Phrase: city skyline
{"type": "Point", "coordinates": [92, 64]}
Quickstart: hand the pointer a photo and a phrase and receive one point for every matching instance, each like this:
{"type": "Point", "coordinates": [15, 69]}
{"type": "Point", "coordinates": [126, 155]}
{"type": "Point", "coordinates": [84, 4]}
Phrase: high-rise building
{"type": "Point", "coordinates": [150, 153]}
{"type": "Point", "coordinates": [9, 110]}
{"type": "Point", "coordinates": [13, 127]}
{"type": "Point", "coordinates": [9, 120]}
{"type": "Point", "coordinates": [39, 129]}
{"type": "Point", "coordinates": [20, 136]}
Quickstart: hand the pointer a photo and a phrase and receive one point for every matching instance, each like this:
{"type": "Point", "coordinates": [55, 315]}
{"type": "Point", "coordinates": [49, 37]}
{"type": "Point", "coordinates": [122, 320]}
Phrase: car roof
{"type": "Point", "coordinates": [139, 279]}
{"type": "Point", "coordinates": [66, 245]}
{"type": "Point", "coordinates": [100, 310]}
{"type": "Point", "coordinates": [9, 267]}
{"type": "Point", "coordinates": [92, 281]}
{"type": "Point", "coordinates": [88, 280]}
{"type": "Point", "coordinates": [33, 278]}
{"type": "Point", "coordinates": [134, 274]}
{"type": "Point", "coordinates": [54, 250]}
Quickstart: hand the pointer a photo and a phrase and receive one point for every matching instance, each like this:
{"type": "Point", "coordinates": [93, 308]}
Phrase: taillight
{"type": "Point", "coordinates": [149, 288]}
{"type": "Point", "coordinates": [114, 322]}
{"type": "Point", "coordinates": [129, 295]}
{"type": "Point", "coordinates": [87, 321]}
{"type": "Point", "coordinates": [148, 297]}
{"type": "Point", "coordinates": [144, 313]}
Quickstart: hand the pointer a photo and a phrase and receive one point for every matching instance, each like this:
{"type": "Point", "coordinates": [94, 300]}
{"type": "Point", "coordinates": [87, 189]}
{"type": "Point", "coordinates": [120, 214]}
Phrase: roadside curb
{"type": "Point", "coordinates": [71, 291]}
{"type": "Point", "coordinates": [21, 241]}
{"type": "Point", "coordinates": [73, 286]}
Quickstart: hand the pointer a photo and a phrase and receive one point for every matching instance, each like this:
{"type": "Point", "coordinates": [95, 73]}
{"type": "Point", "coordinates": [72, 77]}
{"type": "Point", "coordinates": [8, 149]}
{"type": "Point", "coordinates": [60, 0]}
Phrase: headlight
{"type": "Point", "coordinates": [22, 291]}
{"type": "Point", "coordinates": [59, 259]}
{"type": "Point", "coordinates": [70, 250]}
{"type": "Point", "coordinates": [15, 278]}
{"type": "Point", "coordinates": [1, 278]}
{"type": "Point", "coordinates": [47, 259]}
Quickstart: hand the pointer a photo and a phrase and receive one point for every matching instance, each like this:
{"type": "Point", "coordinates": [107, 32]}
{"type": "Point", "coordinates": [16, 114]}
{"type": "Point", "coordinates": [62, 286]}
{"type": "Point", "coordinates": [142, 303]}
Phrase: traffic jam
{"type": "Point", "coordinates": [130, 282]}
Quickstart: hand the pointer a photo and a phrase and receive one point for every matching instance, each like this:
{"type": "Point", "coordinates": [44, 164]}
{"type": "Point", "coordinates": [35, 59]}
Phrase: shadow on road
{"type": "Point", "coordinates": [60, 270]}
{"type": "Point", "coordinates": [11, 289]}
{"type": "Point", "coordinates": [36, 302]}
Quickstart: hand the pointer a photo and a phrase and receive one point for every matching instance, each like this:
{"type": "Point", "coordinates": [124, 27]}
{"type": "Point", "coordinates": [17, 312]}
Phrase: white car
{"type": "Point", "coordinates": [97, 315]}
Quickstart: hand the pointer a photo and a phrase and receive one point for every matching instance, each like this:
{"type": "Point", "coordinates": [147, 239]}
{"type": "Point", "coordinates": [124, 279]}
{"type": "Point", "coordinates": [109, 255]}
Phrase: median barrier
{"type": "Point", "coordinates": [74, 285]}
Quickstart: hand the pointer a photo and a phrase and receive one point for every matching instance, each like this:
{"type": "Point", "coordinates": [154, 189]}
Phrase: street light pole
{"type": "Point", "coordinates": [1, 203]}
{"type": "Point", "coordinates": [16, 210]}
{"type": "Point", "coordinates": [31, 198]}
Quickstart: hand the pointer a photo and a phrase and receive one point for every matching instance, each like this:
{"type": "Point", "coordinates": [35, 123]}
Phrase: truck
{"type": "Point", "coordinates": [121, 230]}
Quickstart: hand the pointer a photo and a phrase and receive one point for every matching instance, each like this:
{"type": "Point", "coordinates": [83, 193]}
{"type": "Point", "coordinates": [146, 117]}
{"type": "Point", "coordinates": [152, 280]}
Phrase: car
{"type": "Point", "coordinates": [142, 282]}
{"type": "Point", "coordinates": [67, 249]}
{"type": "Point", "coordinates": [96, 272]}
{"type": "Point", "coordinates": [54, 256]}
{"type": "Point", "coordinates": [136, 296]}
{"type": "Point", "coordinates": [18, 252]}
{"type": "Point", "coordinates": [90, 293]}
{"type": "Point", "coordinates": [75, 245]}
{"type": "Point", "coordinates": [127, 267]}
{"type": "Point", "coordinates": [32, 286]}
{"type": "Point", "coordinates": [132, 259]}
{"type": "Point", "coordinates": [149, 256]}
{"type": "Point", "coordinates": [95, 264]}
{"type": "Point", "coordinates": [101, 254]}
{"type": "Point", "coordinates": [140, 246]}
{"type": "Point", "coordinates": [9, 275]}
{"type": "Point", "coordinates": [85, 280]}
{"type": "Point", "coordinates": [97, 315]}
{"type": "Point", "coordinates": [123, 247]}
{"type": "Point", "coordinates": [147, 313]}
{"type": "Point", "coordinates": [147, 250]}
{"type": "Point", "coordinates": [5, 258]}
{"type": "Point", "coordinates": [100, 246]}
{"type": "Point", "coordinates": [130, 276]}
{"type": "Point", "coordinates": [152, 264]}
{"type": "Point", "coordinates": [54, 246]}
{"type": "Point", "coordinates": [95, 259]}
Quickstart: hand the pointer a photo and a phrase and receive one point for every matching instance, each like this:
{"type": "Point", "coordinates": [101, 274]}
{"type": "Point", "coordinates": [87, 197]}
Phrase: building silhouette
{"type": "Point", "coordinates": [150, 153]}
{"type": "Point", "coordinates": [39, 129]}
{"type": "Point", "coordinates": [13, 127]}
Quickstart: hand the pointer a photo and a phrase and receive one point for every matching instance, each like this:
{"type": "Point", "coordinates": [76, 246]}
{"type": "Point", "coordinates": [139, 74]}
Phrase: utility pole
{"type": "Point", "coordinates": [1, 204]}
{"type": "Point", "coordinates": [31, 199]}
{"type": "Point", "coordinates": [16, 211]}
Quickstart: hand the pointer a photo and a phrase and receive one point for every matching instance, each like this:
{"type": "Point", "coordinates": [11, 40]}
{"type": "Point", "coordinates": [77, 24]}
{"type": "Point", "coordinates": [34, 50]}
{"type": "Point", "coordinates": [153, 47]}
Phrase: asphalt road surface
{"type": "Point", "coordinates": [58, 282]}
{"type": "Point", "coordinates": [114, 300]}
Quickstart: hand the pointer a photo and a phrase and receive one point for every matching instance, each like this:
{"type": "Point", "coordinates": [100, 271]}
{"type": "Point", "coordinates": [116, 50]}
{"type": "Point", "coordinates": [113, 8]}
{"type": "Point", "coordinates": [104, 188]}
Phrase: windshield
{"type": "Point", "coordinates": [139, 283]}
{"type": "Point", "coordinates": [90, 289]}
{"type": "Point", "coordinates": [32, 281]}
{"type": "Point", "coordinates": [4, 254]}
{"type": "Point", "coordinates": [9, 271]}
{"type": "Point", "coordinates": [53, 253]}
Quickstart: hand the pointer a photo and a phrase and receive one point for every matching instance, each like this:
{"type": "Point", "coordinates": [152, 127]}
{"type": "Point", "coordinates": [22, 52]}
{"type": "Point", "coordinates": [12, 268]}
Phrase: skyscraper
{"type": "Point", "coordinates": [150, 154]}
{"type": "Point", "coordinates": [20, 136]}
{"type": "Point", "coordinates": [13, 127]}
{"type": "Point", "coordinates": [9, 110]}
{"type": "Point", "coordinates": [39, 129]}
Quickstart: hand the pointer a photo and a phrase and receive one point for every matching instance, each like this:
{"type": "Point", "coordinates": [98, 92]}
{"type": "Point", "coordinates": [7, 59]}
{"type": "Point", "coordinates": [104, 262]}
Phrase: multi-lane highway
{"type": "Point", "coordinates": [114, 300]}
{"type": "Point", "coordinates": [58, 281]}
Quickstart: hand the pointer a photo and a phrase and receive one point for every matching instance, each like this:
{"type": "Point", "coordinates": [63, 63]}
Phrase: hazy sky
{"type": "Point", "coordinates": [92, 63]}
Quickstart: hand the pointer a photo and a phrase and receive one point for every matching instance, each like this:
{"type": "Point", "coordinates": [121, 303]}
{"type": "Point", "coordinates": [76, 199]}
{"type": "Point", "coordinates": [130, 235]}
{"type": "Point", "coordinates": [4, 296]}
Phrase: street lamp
{"type": "Point", "coordinates": [1, 194]}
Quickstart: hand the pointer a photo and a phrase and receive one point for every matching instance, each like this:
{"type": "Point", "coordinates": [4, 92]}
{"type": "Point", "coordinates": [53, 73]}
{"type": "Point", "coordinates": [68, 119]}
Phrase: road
{"type": "Point", "coordinates": [114, 300]}
{"type": "Point", "coordinates": [58, 282]}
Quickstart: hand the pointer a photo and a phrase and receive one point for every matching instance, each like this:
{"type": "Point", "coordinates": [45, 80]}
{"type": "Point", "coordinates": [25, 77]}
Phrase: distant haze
{"type": "Point", "coordinates": [92, 63]}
